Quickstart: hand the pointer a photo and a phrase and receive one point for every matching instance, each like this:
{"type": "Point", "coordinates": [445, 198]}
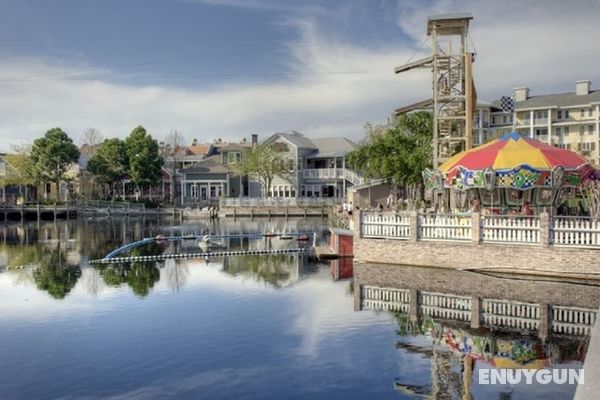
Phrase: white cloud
{"type": "Point", "coordinates": [543, 45]}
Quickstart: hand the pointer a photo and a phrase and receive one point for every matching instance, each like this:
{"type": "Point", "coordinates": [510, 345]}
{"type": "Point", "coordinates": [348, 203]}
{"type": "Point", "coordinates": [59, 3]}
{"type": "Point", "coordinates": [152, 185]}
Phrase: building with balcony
{"type": "Point", "coordinates": [317, 167]}
{"type": "Point", "coordinates": [566, 120]}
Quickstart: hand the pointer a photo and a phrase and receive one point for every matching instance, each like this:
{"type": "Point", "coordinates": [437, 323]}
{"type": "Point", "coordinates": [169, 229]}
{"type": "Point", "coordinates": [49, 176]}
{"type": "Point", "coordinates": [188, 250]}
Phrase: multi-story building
{"type": "Point", "coordinates": [318, 167]}
{"type": "Point", "coordinates": [566, 120]}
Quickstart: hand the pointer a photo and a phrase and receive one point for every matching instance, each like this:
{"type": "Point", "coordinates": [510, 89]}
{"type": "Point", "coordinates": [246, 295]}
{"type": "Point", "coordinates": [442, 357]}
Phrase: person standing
{"type": "Point", "coordinates": [350, 209]}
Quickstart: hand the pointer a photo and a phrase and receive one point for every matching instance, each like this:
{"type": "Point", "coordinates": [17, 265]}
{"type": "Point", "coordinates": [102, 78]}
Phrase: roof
{"type": "Point", "coordinates": [448, 23]}
{"type": "Point", "coordinates": [297, 139]}
{"type": "Point", "coordinates": [332, 147]}
{"type": "Point", "coordinates": [209, 165]}
{"type": "Point", "coordinates": [200, 149]}
{"type": "Point", "coordinates": [235, 147]}
{"type": "Point", "coordinates": [555, 100]}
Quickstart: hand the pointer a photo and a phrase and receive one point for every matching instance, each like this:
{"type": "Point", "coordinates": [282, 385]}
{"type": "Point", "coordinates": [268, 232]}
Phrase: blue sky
{"type": "Point", "coordinates": [229, 68]}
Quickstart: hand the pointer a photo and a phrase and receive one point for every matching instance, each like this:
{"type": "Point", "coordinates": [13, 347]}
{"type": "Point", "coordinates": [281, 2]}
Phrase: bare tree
{"type": "Point", "coordinates": [91, 137]}
{"type": "Point", "coordinates": [174, 143]}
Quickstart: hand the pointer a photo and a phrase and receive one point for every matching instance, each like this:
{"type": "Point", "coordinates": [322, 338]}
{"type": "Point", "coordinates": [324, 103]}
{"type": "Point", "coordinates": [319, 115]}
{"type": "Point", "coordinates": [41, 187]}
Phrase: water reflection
{"type": "Point", "coordinates": [462, 321]}
{"type": "Point", "coordinates": [54, 274]}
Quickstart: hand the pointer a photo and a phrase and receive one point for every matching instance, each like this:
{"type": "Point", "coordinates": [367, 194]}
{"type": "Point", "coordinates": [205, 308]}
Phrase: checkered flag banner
{"type": "Point", "coordinates": [507, 104]}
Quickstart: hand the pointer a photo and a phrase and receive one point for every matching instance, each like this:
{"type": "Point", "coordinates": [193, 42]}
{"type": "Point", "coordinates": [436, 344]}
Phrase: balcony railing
{"type": "Point", "coordinates": [323, 173]}
{"type": "Point", "coordinates": [332, 173]}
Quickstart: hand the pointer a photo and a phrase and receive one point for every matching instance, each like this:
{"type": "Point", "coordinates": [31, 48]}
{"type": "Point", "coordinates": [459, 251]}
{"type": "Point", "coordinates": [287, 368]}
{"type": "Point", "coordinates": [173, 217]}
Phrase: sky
{"type": "Point", "coordinates": [230, 68]}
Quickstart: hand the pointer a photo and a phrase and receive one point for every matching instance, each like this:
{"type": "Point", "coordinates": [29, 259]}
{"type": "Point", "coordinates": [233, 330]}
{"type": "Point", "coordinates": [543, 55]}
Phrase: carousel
{"type": "Point", "coordinates": [511, 174]}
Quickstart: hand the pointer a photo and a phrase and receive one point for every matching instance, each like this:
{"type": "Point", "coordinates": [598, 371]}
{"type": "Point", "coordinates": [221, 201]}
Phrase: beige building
{"type": "Point", "coordinates": [566, 120]}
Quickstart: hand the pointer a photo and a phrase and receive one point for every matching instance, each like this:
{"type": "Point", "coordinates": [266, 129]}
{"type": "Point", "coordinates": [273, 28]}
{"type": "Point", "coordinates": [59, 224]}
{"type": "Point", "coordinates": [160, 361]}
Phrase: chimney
{"type": "Point", "coordinates": [254, 139]}
{"type": "Point", "coordinates": [521, 93]}
{"type": "Point", "coordinates": [582, 88]}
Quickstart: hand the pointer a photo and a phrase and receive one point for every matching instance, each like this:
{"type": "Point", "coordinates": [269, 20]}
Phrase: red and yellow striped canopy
{"type": "Point", "coordinates": [512, 151]}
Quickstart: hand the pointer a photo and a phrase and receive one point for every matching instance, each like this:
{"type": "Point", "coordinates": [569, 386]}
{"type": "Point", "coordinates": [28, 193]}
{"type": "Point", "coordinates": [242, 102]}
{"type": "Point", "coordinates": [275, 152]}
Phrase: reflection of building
{"type": "Point", "coordinates": [476, 318]}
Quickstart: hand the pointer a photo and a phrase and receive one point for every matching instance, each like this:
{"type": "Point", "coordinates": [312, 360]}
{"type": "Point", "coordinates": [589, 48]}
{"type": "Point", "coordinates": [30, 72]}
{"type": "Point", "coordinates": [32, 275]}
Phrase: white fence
{"type": "Point", "coordinates": [377, 298]}
{"type": "Point", "coordinates": [560, 231]}
{"type": "Point", "coordinates": [509, 229]}
{"type": "Point", "coordinates": [511, 314]}
{"type": "Point", "coordinates": [444, 227]}
{"type": "Point", "coordinates": [446, 306]}
{"type": "Point", "coordinates": [573, 231]}
{"type": "Point", "coordinates": [280, 202]}
{"type": "Point", "coordinates": [572, 320]}
{"type": "Point", "coordinates": [387, 225]}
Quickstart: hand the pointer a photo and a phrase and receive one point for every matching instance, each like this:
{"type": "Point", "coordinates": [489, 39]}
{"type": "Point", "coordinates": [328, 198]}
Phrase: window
{"type": "Point", "coordinates": [590, 112]}
{"type": "Point", "coordinates": [558, 131]}
{"type": "Point", "coordinates": [591, 129]}
{"type": "Point", "coordinates": [566, 114]}
{"type": "Point", "coordinates": [194, 191]}
{"type": "Point", "coordinates": [566, 130]}
{"type": "Point", "coordinates": [582, 112]}
{"type": "Point", "coordinates": [581, 130]}
{"type": "Point", "coordinates": [504, 119]}
{"type": "Point", "coordinates": [233, 157]}
{"type": "Point", "coordinates": [559, 114]}
{"type": "Point", "coordinates": [587, 146]}
{"type": "Point", "coordinates": [493, 120]}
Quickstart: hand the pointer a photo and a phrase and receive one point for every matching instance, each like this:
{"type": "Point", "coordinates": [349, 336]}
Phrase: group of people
{"type": "Point", "coordinates": [346, 209]}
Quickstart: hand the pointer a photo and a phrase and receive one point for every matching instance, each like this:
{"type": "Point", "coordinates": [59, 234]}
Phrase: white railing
{"type": "Point", "coordinates": [444, 227]}
{"type": "Point", "coordinates": [446, 306]}
{"type": "Point", "coordinates": [353, 177]}
{"type": "Point", "coordinates": [511, 314]}
{"type": "Point", "coordinates": [280, 202]}
{"type": "Point", "coordinates": [572, 320]}
{"type": "Point", "coordinates": [574, 231]}
{"type": "Point", "coordinates": [509, 229]}
{"type": "Point", "coordinates": [377, 298]}
{"type": "Point", "coordinates": [323, 173]}
{"type": "Point", "coordinates": [386, 225]}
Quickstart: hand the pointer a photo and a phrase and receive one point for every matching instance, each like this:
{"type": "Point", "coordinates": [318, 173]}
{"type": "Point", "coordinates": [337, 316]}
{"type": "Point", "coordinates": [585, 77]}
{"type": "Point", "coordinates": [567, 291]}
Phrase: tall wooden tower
{"type": "Point", "coordinates": [454, 98]}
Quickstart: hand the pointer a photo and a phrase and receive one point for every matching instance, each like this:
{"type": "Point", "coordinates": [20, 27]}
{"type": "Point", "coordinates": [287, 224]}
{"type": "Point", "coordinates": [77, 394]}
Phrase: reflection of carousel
{"type": "Point", "coordinates": [507, 173]}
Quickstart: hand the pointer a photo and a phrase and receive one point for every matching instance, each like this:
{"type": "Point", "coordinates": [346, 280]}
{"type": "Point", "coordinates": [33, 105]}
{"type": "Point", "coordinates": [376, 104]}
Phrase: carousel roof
{"type": "Point", "coordinates": [512, 151]}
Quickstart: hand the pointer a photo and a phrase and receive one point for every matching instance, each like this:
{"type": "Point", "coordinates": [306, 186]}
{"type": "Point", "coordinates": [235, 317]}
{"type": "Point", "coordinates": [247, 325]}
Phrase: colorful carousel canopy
{"type": "Point", "coordinates": [513, 161]}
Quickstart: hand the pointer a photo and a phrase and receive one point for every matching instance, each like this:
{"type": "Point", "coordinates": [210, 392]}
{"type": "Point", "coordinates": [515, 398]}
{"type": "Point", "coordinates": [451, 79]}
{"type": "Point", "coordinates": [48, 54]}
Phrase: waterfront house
{"type": "Point", "coordinates": [317, 167]}
{"type": "Point", "coordinates": [206, 181]}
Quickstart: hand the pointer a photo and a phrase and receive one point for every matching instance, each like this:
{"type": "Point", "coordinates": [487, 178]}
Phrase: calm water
{"type": "Point", "coordinates": [249, 327]}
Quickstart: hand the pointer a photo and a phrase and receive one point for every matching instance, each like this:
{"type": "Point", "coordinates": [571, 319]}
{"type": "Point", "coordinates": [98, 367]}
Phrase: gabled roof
{"type": "Point", "coordinates": [333, 147]}
{"type": "Point", "coordinates": [297, 139]}
{"type": "Point", "coordinates": [210, 165]}
{"type": "Point", "coordinates": [200, 149]}
{"type": "Point", "coordinates": [235, 147]}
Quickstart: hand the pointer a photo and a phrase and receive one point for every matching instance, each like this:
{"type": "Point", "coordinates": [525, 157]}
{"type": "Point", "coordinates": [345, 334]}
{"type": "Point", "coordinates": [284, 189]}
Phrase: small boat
{"type": "Point", "coordinates": [285, 236]}
{"type": "Point", "coordinates": [269, 234]}
{"type": "Point", "coordinates": [303, 238]}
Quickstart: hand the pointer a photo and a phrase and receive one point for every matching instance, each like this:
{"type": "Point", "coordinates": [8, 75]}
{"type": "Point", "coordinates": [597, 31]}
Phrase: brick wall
{"type": "Point", "coordinates": [526, 259]}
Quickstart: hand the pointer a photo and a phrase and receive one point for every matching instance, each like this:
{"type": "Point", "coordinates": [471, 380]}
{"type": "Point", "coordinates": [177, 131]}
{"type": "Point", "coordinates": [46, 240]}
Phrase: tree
{"type": "Point", "coordinates": [174, 142]}
{"type": "Point", "coordinates": [20, 170]}
{"type": "Point", "coordinates": [91, 137]}
{"type": "Point", "coordinates": [264, 163]}
{"type": "Point", "coordinates": [398, 153]}
{"type": "Point", "coordinates": [144, 158]}
{"type": "Point", "coordinates": [109, 163]}
{"type": "Point", "coordinates": [52, 156]}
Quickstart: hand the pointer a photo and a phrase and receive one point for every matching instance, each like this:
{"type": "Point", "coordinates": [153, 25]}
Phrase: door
{"type": "Point", "coordinates": [203, 193]}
